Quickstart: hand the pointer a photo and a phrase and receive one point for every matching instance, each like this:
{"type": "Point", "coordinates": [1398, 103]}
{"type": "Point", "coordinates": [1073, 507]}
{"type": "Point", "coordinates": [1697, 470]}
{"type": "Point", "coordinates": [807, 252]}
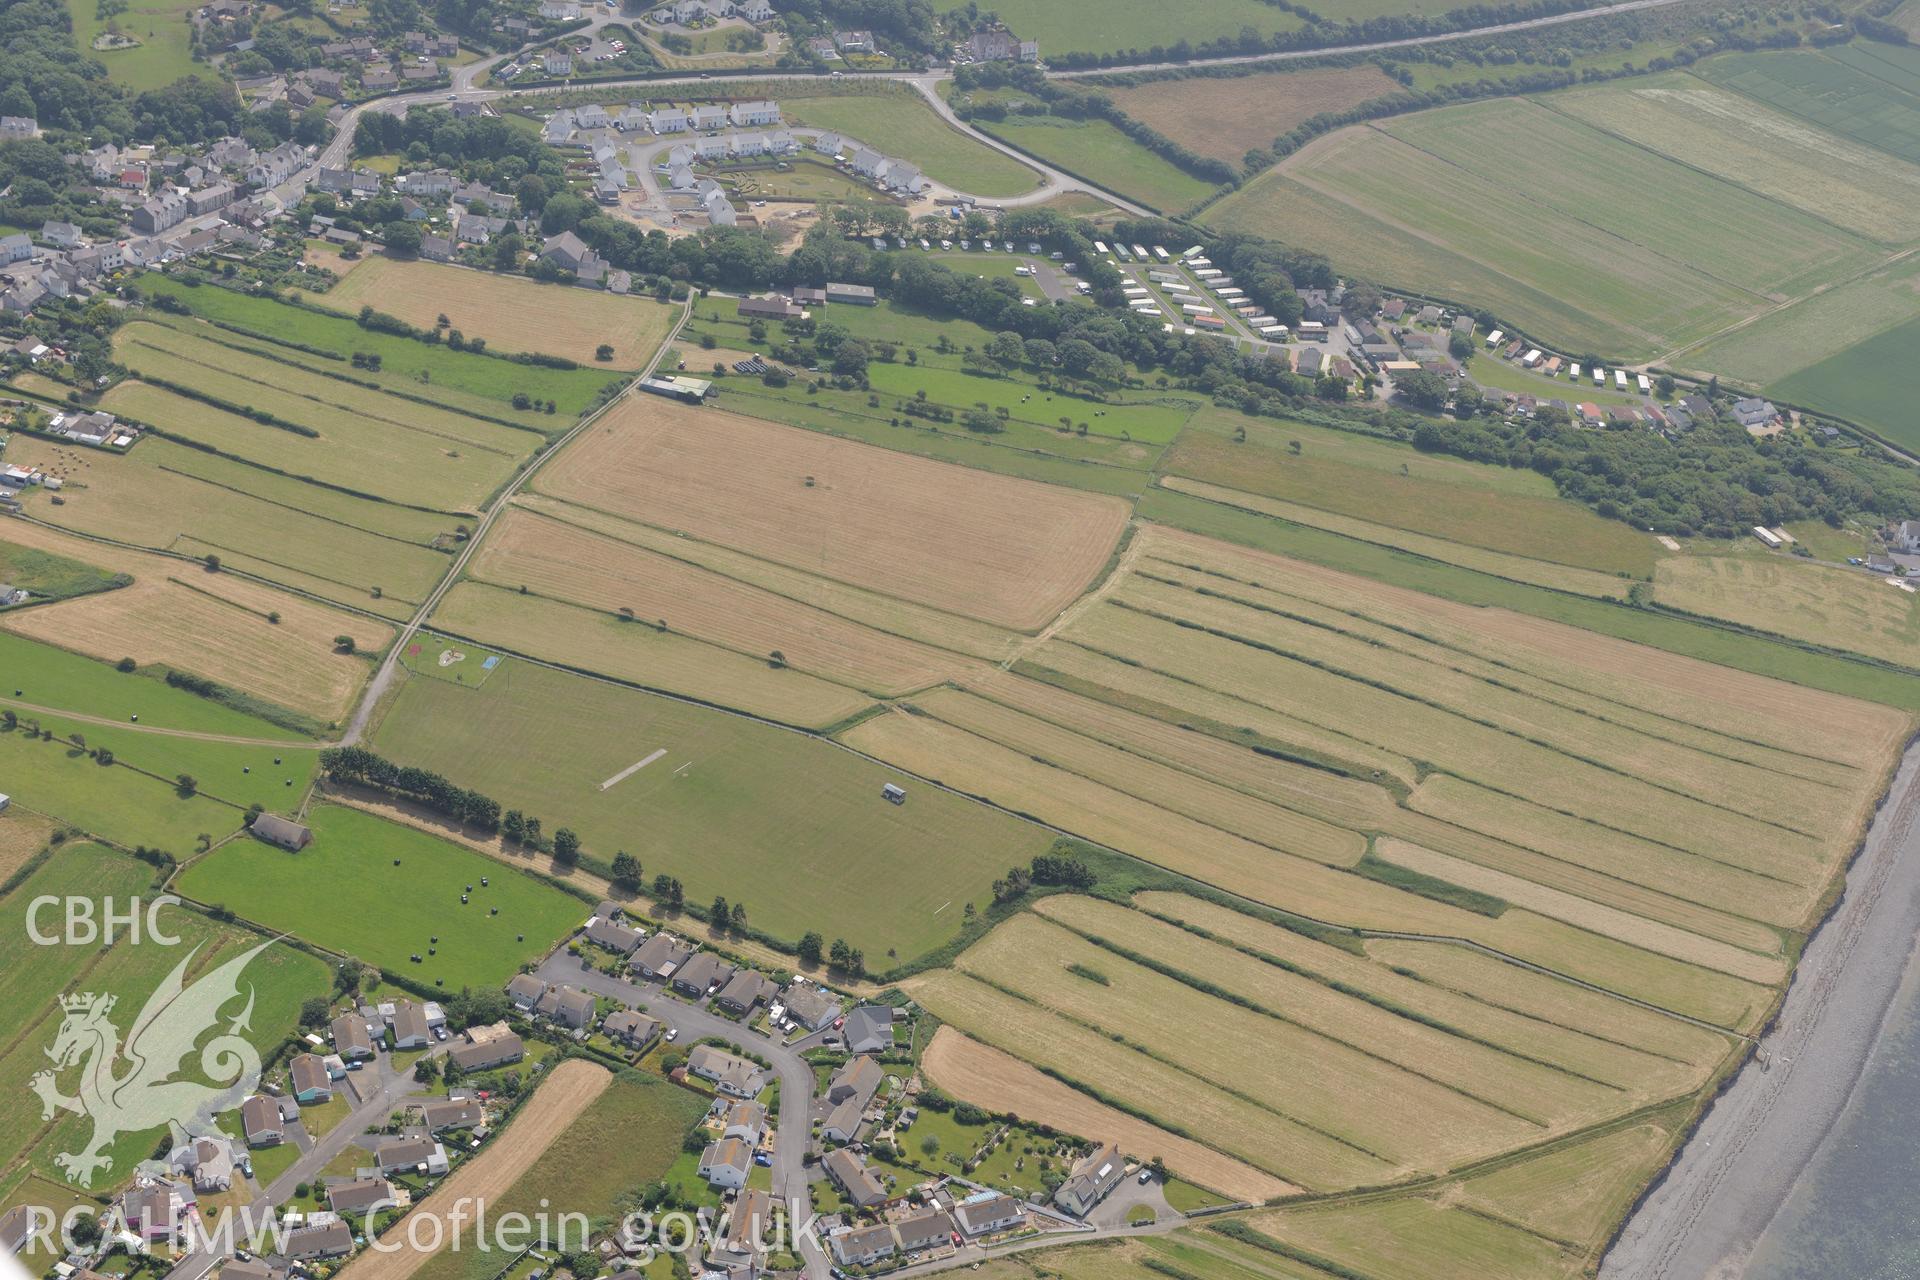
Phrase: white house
{"type": "Point", "coordinates": [671, 120]}
{"type": "Point", "coordinates": [753, 113]}
{"type": "Point", "coordinates": [711, 116]}
{"type": "Point", "coordinates": [559, 10]}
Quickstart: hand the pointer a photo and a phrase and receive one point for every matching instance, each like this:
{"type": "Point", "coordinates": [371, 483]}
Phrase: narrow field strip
{"type": "Point", "coordinates": [985, 1076]}
{"type": "Point", "coordinates": [1167, 1095]}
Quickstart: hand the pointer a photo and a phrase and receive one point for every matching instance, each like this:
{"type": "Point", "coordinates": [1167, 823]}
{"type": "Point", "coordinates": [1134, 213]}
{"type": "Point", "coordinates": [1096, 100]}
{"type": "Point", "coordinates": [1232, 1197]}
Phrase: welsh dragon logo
{"type": "Point", "coordinates": [145, 1095]}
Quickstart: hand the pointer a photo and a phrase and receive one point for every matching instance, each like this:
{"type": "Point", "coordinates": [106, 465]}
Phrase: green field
{"type": "Point", "coordinates": [47, 574]}
{"type": "Point", "coordinates": [345, 893]}
{"type": "Point", "coordinates": [1494, 507]}
{"type": "Point", "coordinates": [733, 807]}
{"type": "Point", "coordinates": [1865, 91]}
{"type": "Point", "coordinates": [281, 978]}
{"type": "Point", "coordinates": [904, 125]}
{"type": "Point", "coordinates": [625, 1139]}
{"type": "Point", "coordinates": [40, 675]}
{"type": "Point", "coordinates": [1140, 26]}
{"type": "Point", "coordinates": [163, 30]}
{"type": "Point", "coordinates": [1867, 382]}
{"type": "Point", "coordinates": [1100, 153]}
{"type": "Point", "coordinates": [334, 431]}
{"type": "Point", "coordinates": [1579, 215]}
{"type": "Point", "coordinates": [361, 551]}
{"type": "Point", "coordinates": [457, 379]}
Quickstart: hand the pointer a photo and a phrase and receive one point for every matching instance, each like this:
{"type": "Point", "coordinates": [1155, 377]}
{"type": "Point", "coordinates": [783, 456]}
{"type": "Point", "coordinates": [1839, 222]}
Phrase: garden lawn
{"type": "Point", "coordinates": [345, 892]}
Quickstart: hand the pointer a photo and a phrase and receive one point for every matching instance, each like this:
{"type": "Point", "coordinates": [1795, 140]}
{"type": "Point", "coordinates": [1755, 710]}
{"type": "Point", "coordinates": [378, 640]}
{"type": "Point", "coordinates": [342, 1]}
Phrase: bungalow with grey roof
{"type": "Point", "coordinates": [613, 936]}
{"type": "Point", "coordinates": [745, 991]}
{"type": "Point", "coordinates": [487, 1054]}
{"type": "Point", "coordinates": [850, 1091]}
{"type": "Point", "coordinates": [863, 1246]}
{"type": "Point", "coordinates": [923, 1230]}
{"type": "Point", "coordinates": [464, 1114]}
{"type": "Point", "coordinates": [365, 1195]}
{"type": "Point", "coordinates": [983, 1215]}
{"type": "Point", "coordinates": [869, 1029]}
{"type": "Point", "coordinates": [408, 1023]}
{"type": "Point", "coordinates": [284, 832]}
{"type": "Point", "coordinates": [726, 1163]}
{"type": "Point", "coordinates": [810, 1005]}
{"type": "Point", "coordinates": [397, 1155]}
{"type": "Point", "coordinates": [729, 1072]}
{"type": "Point", "coordinates": [660, 956]}
{"type": "Point", "coordinates": [310, 1244]}
{"type": "Point", "coordinates": [700, 973]}
{"type": "Point", "coordinates": [311, 1083]}
{"type": "Point", "coordinates": [262, 1122]}
{"type": "Point", "coordinates": [854, 1179]}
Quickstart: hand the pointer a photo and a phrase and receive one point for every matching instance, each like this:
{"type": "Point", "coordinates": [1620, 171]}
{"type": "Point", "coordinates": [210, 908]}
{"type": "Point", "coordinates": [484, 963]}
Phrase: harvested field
{"type": "Point", "coordinates": [1647, 1054]}
{"type": "Point", "coordinates": [172, 498]}
{"type": "Point", "coordinates": [1358, 1097]}
{"type": "Point", "coordinates": [1586, 914]}
{"type": "Point", "coordinates": [1718, 885]}
{"type": "Point", "coordinates": [1560, 1096]}
{"type": "Point", "coordinates": [1576, 1192]}
{"type": "Point", "coordinates": [22, 835]}
{"type": "Point", "coordinates": [1005, 551]}
{"type": "Point", "coordinates": [564, 561]}
{"type": "Point", "coordinates": [1412, 1235]}
{"type": "Point", "coordinates": [510, 312]}
{"type": "Point", "coordinates": [211, 624]}
{"type": "Point", "coordinates": [1281, 829]}
{"type": "Point", "coordinates": [1586, 582]}
{"type": "Point", "coordinates": [362, 439]}
{"type": "Point", "coordinates": [986, 1077]}
{"type": "Point", "coordinates": [1823, 605]}
{"type": "Point", "coordinates": [566, 1092]}
{"type": "Point", "coordinates": [1174, 1098]}
{"type": "Point", "coordinates": [1227, 116]}
{"type": "Point", "coordinates": [868, 608]}
{"type": "Point", "coordinates": [590, 640]}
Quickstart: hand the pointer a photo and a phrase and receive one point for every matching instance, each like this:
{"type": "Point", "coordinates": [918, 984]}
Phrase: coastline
{"type": "Point", "coordinates": [1706, 1215]}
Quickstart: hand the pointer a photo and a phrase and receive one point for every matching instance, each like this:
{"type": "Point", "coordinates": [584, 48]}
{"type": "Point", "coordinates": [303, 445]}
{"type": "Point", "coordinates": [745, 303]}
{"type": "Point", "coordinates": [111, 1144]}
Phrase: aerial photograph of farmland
{"type": "Point", "coordinates": [1061, 640]}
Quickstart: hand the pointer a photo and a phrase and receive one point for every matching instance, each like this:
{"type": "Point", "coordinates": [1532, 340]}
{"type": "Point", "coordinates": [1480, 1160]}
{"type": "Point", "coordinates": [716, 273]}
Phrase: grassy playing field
{"type": "Point", "coordinates": [1540, 209]}
{"type": "Point", "coordinates": [1837, 608]}
{"type": "Point", "coordinates": [1099, 152]}
{"type": "Point", "coordinates": [903, 124]}
{"type": "Point", "coordinates": [511, 313]}
{"type": "Point", "coordinates": [773, 801]}
{"type": "Point", "coordinates": [382, 893]}
{"type": "Point", "coordinates": [1227, 116]}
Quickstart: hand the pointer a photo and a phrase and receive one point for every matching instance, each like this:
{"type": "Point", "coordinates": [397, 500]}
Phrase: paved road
{"type": "Point", "coordinates": [795, 1126]}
